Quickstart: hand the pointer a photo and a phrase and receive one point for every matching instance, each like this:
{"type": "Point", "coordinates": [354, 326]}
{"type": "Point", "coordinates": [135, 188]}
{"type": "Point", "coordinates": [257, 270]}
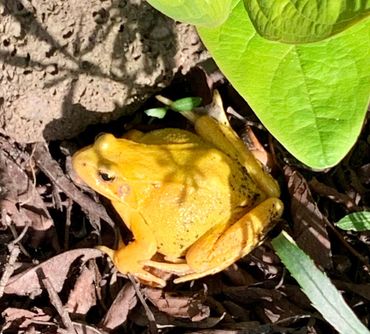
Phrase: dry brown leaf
{"type": "Point", "coordinates": [163, 320]}
{"type": "Point", "coordinates": [20, 318]}
{"type": "Point", "coordinates": [118, 311]}
{"type": "Point", "coordinates": [271, 304]}
{"type": "Point", "coordinates": [364, 173]}
{"type": "Point", "coordinates": [295, 294]}
{"type": "Point", "coordinates": [329, 192]}
{"type": "Point", "coordinates": [238, 313]}
{"type": "Point", "coordinates": [362, 290]}
{"type": "Point", "coordinates": [189, 306]}
{"type": "Point", "coordinates": [86, 329]}
{"type": "Point", "coordinates": [309, 226]}
{"type": "Point", "coordinates": [83, 295]}
{"type": "Point", "coordinates": [238, 276]}
{"type": "Point", "coordinates": [55, 269]}
{"type": "Point", "coordinates": [23, 204]}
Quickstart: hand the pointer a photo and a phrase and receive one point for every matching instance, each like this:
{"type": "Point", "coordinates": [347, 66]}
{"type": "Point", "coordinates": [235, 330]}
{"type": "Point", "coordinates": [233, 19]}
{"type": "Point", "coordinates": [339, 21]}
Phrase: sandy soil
{"type": "Point", "coordinates": [67, 64]}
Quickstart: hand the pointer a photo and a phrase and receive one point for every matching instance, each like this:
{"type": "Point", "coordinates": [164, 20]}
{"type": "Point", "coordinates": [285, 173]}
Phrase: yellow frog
{"type": "Point", "coordinates": [201, 200]}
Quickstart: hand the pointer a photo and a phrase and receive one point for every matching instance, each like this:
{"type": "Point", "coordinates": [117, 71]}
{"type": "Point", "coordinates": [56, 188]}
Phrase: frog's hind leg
{"type": "Point", "coordinates": [223, 245]}
{"type": "Point", "coordinates": [215, 129]}
{"type": "Point", "coordinates": [134, 135]}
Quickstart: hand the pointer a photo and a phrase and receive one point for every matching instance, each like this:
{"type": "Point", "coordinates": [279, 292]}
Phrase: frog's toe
{"type": "Point", "coordinates": [175, 268]}
{"type": "Point", "coordinates": [135, 270]}
{"type": "Point", "coordinates": [194, 276]}
{"type": "Point", "coordinates": [106, 250]}
{"type": "Point", "coordinates": [148, 278]}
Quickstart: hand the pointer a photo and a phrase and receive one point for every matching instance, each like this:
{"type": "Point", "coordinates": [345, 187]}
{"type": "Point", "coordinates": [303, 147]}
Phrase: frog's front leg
{"type": "Point", "coordinates": [224, 244]}
{"type": "Point", "coordinates": [129, 259]}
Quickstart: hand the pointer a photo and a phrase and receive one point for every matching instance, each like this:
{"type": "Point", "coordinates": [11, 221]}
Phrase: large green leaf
{"type": "Point", "coordinates": [312, 97]}
{"type": "Point", "coordinates": [302, 21]}
{"type": "Point", "coordinates": [317, 286]}
{"type": "Point", "coordinates": [209, 13]}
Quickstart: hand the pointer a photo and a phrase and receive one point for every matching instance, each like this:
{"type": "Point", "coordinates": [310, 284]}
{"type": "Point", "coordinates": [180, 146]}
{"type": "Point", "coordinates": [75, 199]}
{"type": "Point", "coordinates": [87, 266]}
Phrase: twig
{"type": "Point", "coordinates": [333, 194]}
{"type": "Point", "coordinates": [152, 324]}
{"type": "Point", "coordinates": [33, 182]}
{"type": "Point", "coordinates": [57, 303]}
{"type": "Point", "coordinates": [68, 223]}
{"type": "Point", "coordinates": [18, 238]}
{"type": "Point", "coordinates": [361, 258]}
{"type": "Point", "coordinates": [9, 268]}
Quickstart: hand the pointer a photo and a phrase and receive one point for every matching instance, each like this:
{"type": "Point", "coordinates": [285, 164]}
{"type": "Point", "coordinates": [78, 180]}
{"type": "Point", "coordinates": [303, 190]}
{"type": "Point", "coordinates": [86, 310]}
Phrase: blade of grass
{"type": "Point", "coordinates": [317, 286]}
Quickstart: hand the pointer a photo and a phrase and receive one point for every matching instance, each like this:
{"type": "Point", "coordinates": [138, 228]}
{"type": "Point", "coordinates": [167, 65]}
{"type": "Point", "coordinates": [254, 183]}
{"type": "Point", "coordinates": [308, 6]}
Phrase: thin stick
{"type": "Point", "coordinates": [57, 303]}
{"type": "Point", "coordinates": [152, 324]}
{"type": "Point", "coordinates": [68, 223]}
{"type": "Point", "coordinates": [9, 268]}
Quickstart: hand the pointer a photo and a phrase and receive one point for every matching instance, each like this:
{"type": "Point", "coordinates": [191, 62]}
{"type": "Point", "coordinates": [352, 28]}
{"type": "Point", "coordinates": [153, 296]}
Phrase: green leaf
{"type": "Point", "coordinates": [312, 98]}
{"type": "Point", "coordinates": [302, 21]}
{"type": "Point", "coordinates": [156, 112]}
{"type": "Point", "coordinates": [186, 104]}
{"type": "Point", "coordinates": [357, 221]}
{"type": "Point", "coordinates": [317, 286]}
{"type": "Point", "coordinates": [209, 13]}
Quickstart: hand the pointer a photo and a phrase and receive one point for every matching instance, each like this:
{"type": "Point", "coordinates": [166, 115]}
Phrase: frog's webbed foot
{"type": "Point", "coordinates": [223, 245]}
{"type": "Point", "coordinates": [129, 267]}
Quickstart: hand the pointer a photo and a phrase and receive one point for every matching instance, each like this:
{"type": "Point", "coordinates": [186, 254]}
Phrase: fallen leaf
{"type": "Point", "coordinates": [362, 290]}
{"type": "Point", "coordinates": [118, 311]}
{"type": "Point", "coordinates": [329, 192]}
{"type": "Point", "coordinates": [179, 306]}
{"type": "Point", "coordinates": [22, 202]}
{"type": "Point", "coordinates": [164, 320]}
{"type": "Point", "coordinates": [55, 269]}
{"type": "Point", "coordinates": [83, 295]}
{"type": "Point", "coordinates": [85, 329]}
{"type": "Point", "coordinates": [18, 318]}
{"type": "Point", "coordinates": [309, 224]}
{"type": "Point", "coordinates": [270, 304]}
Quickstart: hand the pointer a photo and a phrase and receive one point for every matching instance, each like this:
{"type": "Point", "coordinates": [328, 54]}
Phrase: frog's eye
{"type": "Point", "coordinates": [106, 177]}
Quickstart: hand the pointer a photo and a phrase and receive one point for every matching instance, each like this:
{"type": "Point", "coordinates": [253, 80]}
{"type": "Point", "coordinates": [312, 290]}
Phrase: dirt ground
{"type": "Point", "coordinates": [67, 64]}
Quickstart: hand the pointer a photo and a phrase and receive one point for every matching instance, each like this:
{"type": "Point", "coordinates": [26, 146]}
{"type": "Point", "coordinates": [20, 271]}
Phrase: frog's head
{"type": "Point", "coordinates": [98, 165]}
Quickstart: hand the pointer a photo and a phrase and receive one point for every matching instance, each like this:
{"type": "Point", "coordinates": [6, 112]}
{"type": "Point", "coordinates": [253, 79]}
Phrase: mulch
{"type": "Point", "coordinates": [53, 280]}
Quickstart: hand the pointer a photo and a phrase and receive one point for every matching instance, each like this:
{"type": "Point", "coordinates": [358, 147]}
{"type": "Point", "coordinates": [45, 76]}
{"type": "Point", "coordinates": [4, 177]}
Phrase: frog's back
{"type": "Point", "coordinates": [201, 187]}
{"type": "Point", "coordinates": [170, 136]}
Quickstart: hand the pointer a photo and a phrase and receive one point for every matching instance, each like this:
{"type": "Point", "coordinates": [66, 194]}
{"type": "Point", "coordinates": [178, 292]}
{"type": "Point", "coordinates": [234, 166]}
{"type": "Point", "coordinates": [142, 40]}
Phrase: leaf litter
{"type": "Point", "coordinates": [53, 280]}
